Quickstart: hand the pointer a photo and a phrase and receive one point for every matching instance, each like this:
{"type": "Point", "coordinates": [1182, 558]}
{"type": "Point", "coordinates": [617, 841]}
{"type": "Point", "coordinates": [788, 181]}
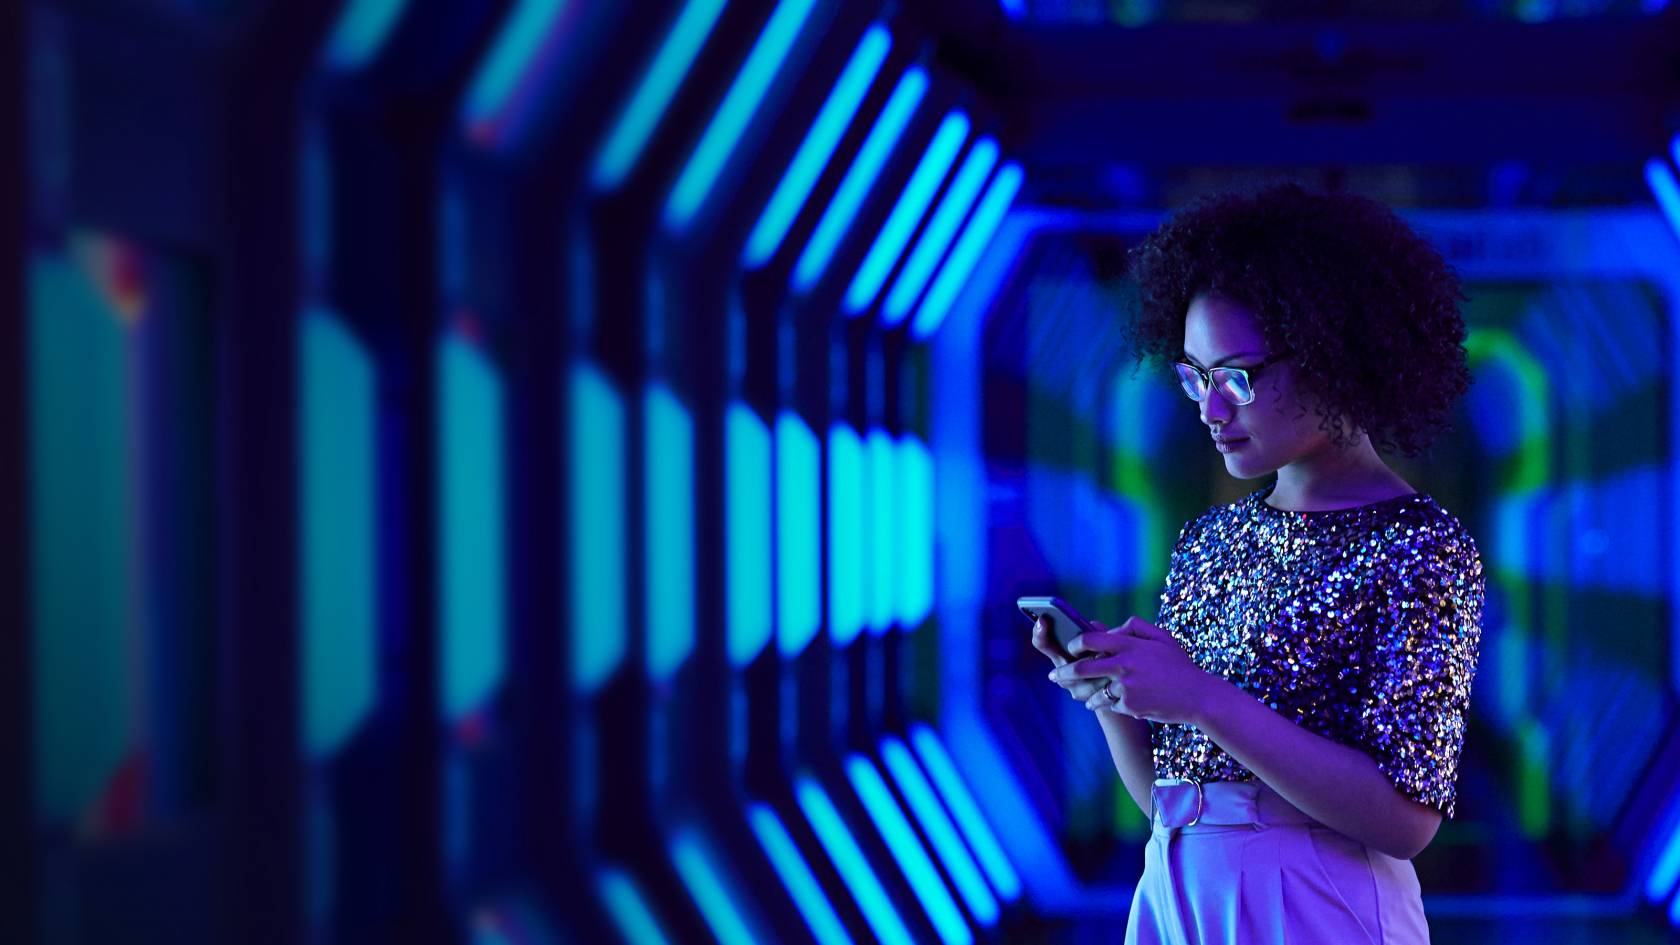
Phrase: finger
{"type": "Point", "coordinates": [1081, 691]}
{"type": "Point", "coordinates": [1100, 643]}
{"type": "Point", "coordinates": [1100, 625]}
{"type": "Point", "coordinates": [1093, 668]}
{"type": "Point", "coordinates": [1097, 700]}
{"type": "Point", "coordinates": [1138, 627]}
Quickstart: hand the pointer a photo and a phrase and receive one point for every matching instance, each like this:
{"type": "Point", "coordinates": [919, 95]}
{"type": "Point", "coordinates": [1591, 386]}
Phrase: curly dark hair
{"type": "Point", "coordinates": [1369, 308]}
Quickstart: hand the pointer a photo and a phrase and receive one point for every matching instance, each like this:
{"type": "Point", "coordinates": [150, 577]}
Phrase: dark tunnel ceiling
{"type": "Point", "coordinates": [1443, 109]}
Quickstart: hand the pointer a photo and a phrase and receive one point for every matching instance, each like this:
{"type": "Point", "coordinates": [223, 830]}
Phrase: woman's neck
{"type": "Point", "coordinates": [1336, 478]}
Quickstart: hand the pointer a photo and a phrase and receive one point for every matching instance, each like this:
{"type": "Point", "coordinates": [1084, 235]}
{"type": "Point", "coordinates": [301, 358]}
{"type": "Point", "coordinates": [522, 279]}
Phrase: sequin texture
{"type": "Point", "coordinates": [1361, 624]}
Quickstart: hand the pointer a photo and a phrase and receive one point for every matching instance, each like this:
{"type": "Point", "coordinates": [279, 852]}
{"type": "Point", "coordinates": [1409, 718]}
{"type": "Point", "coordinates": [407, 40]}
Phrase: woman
{"type": "Point", "coordinates": [1293, 721]}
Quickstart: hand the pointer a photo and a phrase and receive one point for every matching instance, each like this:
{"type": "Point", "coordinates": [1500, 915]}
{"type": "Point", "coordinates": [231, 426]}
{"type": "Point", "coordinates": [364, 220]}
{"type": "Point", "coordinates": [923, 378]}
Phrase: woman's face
{"type": "Point", "coordinates": [1272, 430]}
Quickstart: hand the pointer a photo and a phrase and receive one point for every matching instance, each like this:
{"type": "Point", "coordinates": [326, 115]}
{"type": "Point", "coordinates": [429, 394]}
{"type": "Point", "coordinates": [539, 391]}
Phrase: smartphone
{"type": "Point", "coordinates": [1065, 622]}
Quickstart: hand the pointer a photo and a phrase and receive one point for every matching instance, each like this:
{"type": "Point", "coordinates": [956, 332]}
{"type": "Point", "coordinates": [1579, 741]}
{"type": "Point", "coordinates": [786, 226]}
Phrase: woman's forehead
{"type": "Point", "coordinates": [1216, 328]}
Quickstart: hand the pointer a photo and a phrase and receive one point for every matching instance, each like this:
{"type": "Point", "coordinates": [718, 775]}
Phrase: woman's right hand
{"type": "Point", "coordinates": [1081, 690]}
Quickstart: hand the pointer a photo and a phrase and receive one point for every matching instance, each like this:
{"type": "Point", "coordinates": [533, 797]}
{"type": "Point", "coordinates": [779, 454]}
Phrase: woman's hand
{"type": "Point", "coordinates": [1080, 689]}
{"type": "Point", "coordinates": [1153, 678]}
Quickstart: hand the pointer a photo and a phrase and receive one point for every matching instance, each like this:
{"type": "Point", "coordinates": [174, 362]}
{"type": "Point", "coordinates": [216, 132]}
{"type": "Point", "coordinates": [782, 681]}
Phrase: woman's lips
{"type": "Point", "coordinates": [1230, 446]}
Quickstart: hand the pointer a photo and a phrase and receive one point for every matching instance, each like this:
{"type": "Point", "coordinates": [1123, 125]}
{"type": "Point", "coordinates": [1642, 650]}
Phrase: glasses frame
{"type": "Point", "coordinates": [1206, 378]}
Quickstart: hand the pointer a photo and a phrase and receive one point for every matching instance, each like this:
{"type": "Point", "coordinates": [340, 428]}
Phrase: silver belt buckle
{"type": "Point", "coordinates": [1201, 802]}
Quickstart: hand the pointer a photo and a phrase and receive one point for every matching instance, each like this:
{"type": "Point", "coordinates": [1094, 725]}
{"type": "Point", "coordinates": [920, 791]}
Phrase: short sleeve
{"type": "Point", "coordinates": [1426, 637]}
{"type": "Point", "coordinates": [1176, 561]}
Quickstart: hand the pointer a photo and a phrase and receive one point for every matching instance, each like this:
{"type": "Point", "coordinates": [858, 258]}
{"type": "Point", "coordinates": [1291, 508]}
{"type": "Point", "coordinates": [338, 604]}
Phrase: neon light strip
{"type": "Point", "coordinates": [628, 907]}
{"type": "Point", "coordinates": [508, 69]}
{"type": "Point", "coordinates": [361, 31]}
{"type": "Point", "coordinates": [993, 207]}
{"type": "Point", "coordinates": [739, 106]}
{"type": "Point", "coordinates": [877, 147]}
{"type": "Point", "coordinates": [702, 877]}
{"type": "Point", "coordinates": [849, 860]}
{"type": "Point", "coordinates": [936, 238]}
{"type": "Point", "coordinates": [939, 828]}
{"type": "Point", "coordinates": [818, 147]}
{"type": "Point", "coordinates": [796, 875]}
{"type": "Point", "coordinates": [936, 162]}
{"type": "Point", "coordinates": [967, 813]}
{"type": "Point", "coordinates": [635, 126]}
{"type": "Point", "coordinates": [908, 851]}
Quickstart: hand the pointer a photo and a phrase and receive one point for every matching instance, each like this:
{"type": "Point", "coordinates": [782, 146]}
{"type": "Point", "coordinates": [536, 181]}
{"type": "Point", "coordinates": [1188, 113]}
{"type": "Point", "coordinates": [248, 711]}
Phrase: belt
{"type": "Point", "coordinates": [1187, 804]}
{"type": "Point", "coordinates": [1180, 805]}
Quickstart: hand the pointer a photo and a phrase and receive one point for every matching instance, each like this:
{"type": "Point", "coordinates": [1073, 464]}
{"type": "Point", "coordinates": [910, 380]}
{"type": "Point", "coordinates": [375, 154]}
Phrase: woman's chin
{"type": "Point", "coordinates": [1244, 467]}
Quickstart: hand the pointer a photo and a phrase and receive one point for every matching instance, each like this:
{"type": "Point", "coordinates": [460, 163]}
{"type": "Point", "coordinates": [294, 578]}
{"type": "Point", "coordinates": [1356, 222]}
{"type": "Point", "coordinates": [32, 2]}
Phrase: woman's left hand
{"type": "Point", "coordinates": [1153, 678]}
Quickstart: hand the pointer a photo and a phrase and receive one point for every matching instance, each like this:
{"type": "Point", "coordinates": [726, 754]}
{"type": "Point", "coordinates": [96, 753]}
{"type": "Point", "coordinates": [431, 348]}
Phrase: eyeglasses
{"type": "Point", "coordinates": [1235, 384]}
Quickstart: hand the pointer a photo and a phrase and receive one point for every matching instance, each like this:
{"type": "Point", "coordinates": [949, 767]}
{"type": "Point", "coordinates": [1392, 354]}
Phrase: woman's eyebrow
{"type": "Point", "coordinates": [1229, 357]}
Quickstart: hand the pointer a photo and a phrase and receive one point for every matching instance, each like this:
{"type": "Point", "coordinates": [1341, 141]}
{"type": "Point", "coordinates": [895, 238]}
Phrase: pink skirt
{"type": "Point", "coordinates": [1254, 869]}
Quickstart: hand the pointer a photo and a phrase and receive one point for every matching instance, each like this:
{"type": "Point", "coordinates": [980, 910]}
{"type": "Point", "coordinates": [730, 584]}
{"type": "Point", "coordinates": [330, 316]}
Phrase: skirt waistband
{"type": "Point", "coordinates": [1188, 805]}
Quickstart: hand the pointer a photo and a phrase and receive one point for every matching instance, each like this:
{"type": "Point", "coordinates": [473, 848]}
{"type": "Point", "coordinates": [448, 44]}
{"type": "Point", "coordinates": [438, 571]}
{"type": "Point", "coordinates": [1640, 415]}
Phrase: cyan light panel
{"type": "Point", "coordinates": [337, 466]}
{"type": "Point", "coordinates": [748, 539]}
{"type": "Point", "coordinates": [798, 534]}
{"type": "Point", "coordinates": [669, 537]}
{"type": "Point", "coordinates": [850, 574]}
{"type": "Point", "coordinates": [471, 527]}
{"type": "Point", "coordinates": [915, 526]}
{"type": "Point", "coordinates": [596, 486]}
{"type": "Point", "coordinates": [82, 537]}
{"type": "Point", "coordinates": [882, 544]}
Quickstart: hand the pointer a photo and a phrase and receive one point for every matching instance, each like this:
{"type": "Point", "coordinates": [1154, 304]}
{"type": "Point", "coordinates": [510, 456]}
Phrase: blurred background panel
{"type": "Point", "coordinates": [559, 471]}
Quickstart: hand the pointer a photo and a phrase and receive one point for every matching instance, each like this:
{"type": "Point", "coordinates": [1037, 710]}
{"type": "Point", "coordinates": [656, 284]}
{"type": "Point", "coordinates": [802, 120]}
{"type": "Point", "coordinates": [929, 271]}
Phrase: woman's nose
{"type": "Point", "coordinates": [1215, 408]}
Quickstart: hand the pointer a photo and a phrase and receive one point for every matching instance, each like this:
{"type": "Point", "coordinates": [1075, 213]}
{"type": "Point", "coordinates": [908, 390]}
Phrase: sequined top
{"type": "Point", "coordinates": [1361, 624]}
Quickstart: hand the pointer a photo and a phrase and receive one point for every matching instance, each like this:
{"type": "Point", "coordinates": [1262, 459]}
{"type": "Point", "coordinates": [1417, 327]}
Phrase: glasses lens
{"type": "Point", "coordinates": [1233, 385]}
{"type": "Point", "coordinates": [1189, 380]}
